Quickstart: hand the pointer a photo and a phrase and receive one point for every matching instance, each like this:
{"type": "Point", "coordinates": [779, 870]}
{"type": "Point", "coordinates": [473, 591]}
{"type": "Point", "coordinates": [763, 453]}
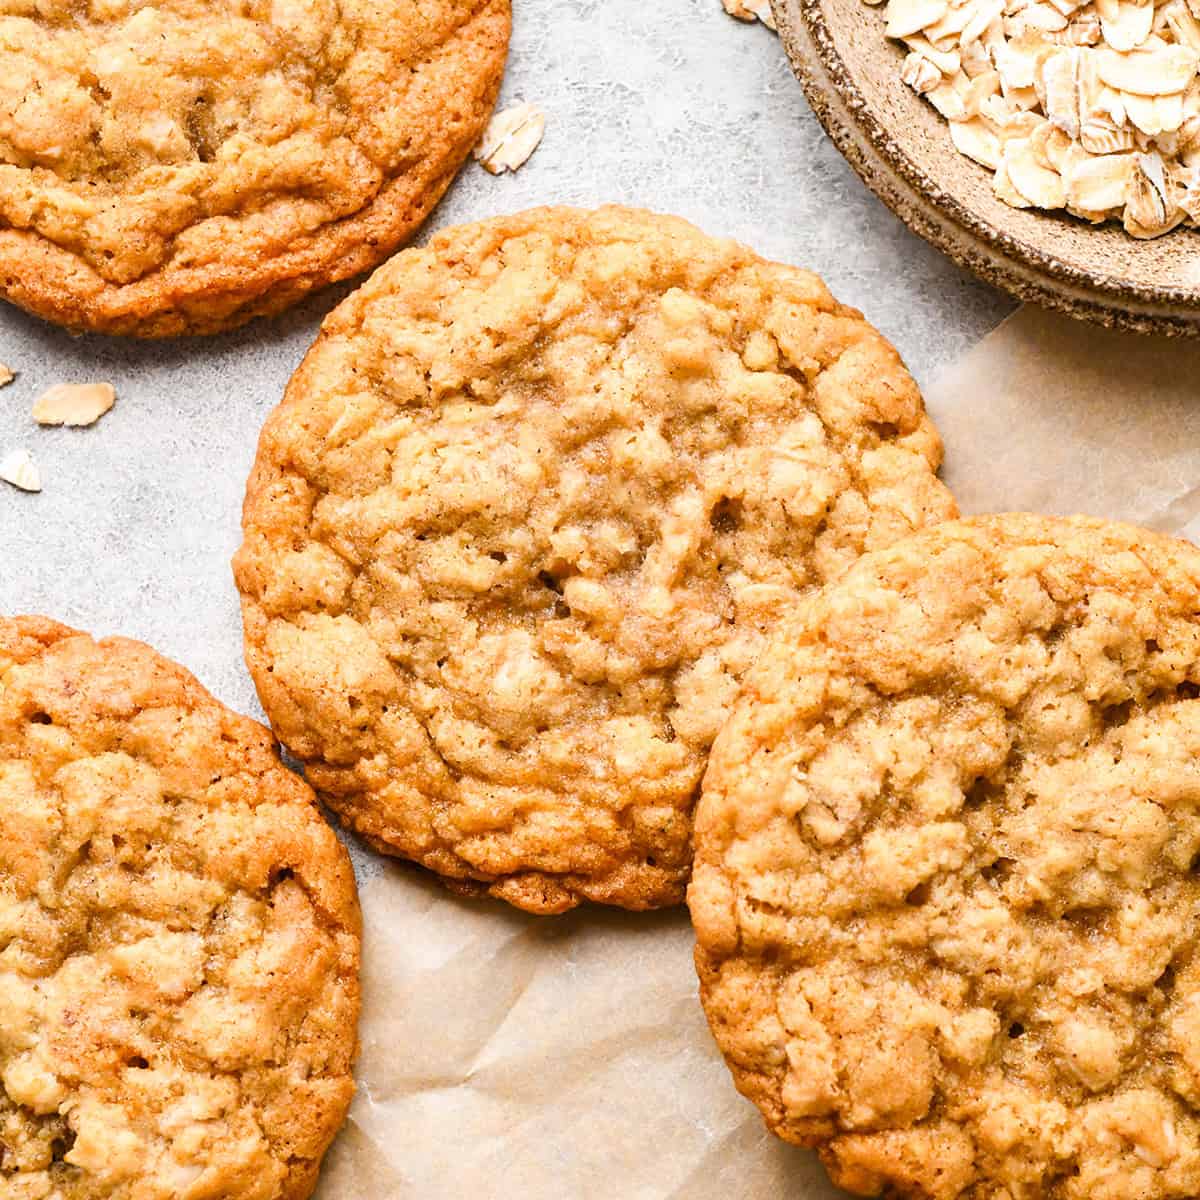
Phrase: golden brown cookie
{"type": "Point", "coordinates": [521, 521]}
{"type": "Point", "coordinates": [946, 890]}
{"type": "Point", "coordinates": [184, 166]}
{"type": "Point", "coordinates": [179, 937]}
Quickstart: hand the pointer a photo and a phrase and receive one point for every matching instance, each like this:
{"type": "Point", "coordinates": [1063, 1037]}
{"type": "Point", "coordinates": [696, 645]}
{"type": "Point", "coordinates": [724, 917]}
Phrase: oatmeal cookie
{"type": "Point", "coordinates": [179, 937]}
{"type": "Point", "coordinates": [183, 166]}
{"type": "Point", "coordinates": [523, 517]}
{"type": "Point", "coordinates": [946, 890]}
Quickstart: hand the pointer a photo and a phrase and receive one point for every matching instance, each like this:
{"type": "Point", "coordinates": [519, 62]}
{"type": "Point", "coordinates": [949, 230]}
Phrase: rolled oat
{"type": "Point", "coordinates": [1089, 107]}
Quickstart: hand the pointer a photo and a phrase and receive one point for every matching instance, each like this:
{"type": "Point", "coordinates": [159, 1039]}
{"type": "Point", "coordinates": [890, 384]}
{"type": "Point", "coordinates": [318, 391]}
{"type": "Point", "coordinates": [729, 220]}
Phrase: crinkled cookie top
{"type": "Point", "coordinates": [219, 146]}
{"type": "Point", "coordinates": [523, 517]}
{"type": "Point", "coordinates": [179, 938]}
{"type": "Point", "coordinates": [945, 892]}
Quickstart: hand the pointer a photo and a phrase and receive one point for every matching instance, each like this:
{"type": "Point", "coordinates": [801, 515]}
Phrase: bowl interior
{"type": "Point", "coordinates": [863, 68]}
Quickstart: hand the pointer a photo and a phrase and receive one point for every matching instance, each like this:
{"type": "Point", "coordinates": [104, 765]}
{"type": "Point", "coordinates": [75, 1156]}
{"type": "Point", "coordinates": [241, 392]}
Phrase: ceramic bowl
{"type": "Point", "coordinates": [902, 149]}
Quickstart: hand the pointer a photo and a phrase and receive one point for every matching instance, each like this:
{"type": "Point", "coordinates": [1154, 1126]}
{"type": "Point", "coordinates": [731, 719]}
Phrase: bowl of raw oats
{"type": "Point", "coordinates": [1051, 146]}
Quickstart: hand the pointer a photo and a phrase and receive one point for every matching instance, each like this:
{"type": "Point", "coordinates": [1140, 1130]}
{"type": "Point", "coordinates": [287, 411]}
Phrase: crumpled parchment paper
{"type": "Point", "coordinates": [568, 1058]}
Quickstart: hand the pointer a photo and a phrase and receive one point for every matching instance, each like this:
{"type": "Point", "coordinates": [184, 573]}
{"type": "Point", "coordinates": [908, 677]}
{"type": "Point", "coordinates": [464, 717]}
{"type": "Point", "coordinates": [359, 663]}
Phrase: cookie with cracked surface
{"type": "Point", "coordinates": [945, 892]}
{"type": "Point", "coordinates": [521, 521]}
{"type": "Point", "coordinates": [179, 937]}
{"type": "Point", "coordinates": [185, 166]}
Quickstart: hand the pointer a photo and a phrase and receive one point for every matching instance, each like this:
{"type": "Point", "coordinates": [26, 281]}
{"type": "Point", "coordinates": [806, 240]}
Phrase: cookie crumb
{"type": "Point", "coordinates": [74, 404]}
{"type": "Point", "coordinates": [510, 138]}
{"type": "Point", "coordinates": [751, 10]}
{"type": "Point", "coordinates": [18, 468]}
{"type": "Point", "coordinates": [7, 374]}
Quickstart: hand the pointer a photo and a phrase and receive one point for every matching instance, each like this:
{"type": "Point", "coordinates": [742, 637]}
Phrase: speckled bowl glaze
{"type": "Point", "coordinates": [902, 149]}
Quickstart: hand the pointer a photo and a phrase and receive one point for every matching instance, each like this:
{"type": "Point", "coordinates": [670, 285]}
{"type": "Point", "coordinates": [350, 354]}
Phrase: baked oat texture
{"type": "Point", "coordinates": [179, 937]}
{"type": "Point", "coordinates": [519, 524]}
{"type": "Point", "coordinates": [945, 893]}
{"type": "Point", "coordinates": [183, 166]}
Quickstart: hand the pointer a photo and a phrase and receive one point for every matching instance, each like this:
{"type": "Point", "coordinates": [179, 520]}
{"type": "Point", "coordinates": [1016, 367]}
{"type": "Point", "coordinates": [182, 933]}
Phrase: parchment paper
{"type": "Point", "coordinates": [568, 1058]}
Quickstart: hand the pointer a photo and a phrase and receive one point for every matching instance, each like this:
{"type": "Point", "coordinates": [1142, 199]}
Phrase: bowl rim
{"type": "Point", "coordinates": [1097, 286]}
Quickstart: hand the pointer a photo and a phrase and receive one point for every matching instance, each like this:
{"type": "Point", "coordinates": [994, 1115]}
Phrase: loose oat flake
{"type": "Point", "coordinates": [1092, 107]}
{"type": "Point", "coordinates": [510, 138]}
{"type": "Point", "coordinates": [7, 374]}
{"type": "Point", "coordinates": [74, 404]}
{"type": "Point", "coordinates": [752, 10]}
{"type": "Point", "coordinates": [18, 468]}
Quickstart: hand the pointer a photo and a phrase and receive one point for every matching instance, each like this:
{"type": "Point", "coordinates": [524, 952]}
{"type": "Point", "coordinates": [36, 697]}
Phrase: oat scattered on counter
{"type": "Point", "coordinates": [7, 374]}
{"type": "Point", "coordinates": [510, 138]}
{"type": "Point", "coordinates": [1089, 107]}
{"type": "Point", "coordinates": [18, 468]}
{"type": "Point", "coordinates": [74, 404]}
{"type": "Point", "coordinates": [751, 10]}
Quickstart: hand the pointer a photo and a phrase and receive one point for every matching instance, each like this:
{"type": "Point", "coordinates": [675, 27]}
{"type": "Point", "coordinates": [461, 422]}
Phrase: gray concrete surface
{"type": "Point", "coordinates": [672, 105]}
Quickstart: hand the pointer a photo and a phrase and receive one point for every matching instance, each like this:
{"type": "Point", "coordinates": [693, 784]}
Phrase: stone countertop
{"type": "Point", "coordinates": [672, 105]}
